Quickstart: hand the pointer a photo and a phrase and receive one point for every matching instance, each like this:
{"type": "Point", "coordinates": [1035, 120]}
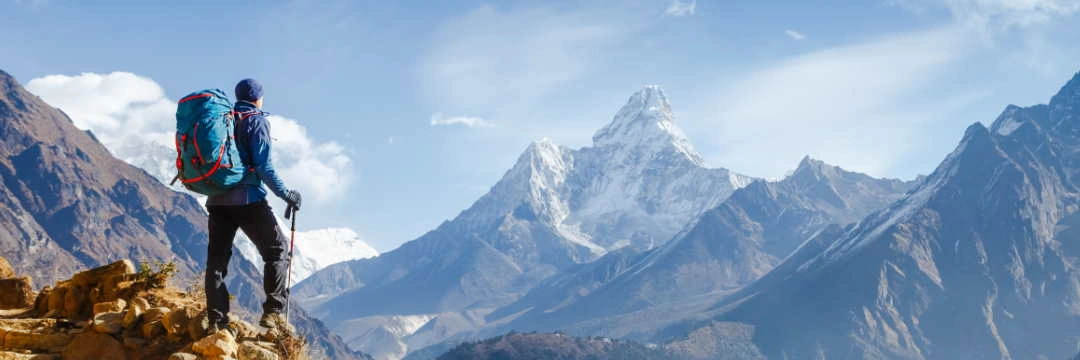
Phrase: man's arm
{"type": "Point", "coordinates": [260, 156]}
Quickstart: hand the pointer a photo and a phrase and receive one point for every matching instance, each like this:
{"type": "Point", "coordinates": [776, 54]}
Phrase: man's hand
{"type": "Point", "coordinates": [293, 199]}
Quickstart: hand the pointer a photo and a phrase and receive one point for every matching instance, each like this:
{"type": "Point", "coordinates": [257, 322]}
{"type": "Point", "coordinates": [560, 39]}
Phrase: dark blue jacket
{"type": "Point", "coordinates": [252, 133]}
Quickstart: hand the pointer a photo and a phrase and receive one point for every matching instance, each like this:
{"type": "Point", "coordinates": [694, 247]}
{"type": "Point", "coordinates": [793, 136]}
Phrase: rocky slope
{"type": "Point", "coordinates": [636, 186]}
{"type": "Point", "coordinates": [114, 312]}
{"type": "Point", "coordinates": [67, 204]}
{"type": "Point", "coordinates": [978, 262]}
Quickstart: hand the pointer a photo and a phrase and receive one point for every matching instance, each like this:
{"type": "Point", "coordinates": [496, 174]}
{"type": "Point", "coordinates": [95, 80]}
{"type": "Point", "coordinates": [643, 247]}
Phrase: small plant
{"type": "Point", "coordinates": [292, 347]}
{"type": "Point", "coordinates": [157, 274]}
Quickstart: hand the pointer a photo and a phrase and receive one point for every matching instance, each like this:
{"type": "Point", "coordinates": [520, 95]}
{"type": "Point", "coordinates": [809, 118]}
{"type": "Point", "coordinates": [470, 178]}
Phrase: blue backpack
{"type": "Point", "coordinates": [207, 161]}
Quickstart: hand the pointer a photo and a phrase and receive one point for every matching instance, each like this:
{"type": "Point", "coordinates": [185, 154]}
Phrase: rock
{"type": "Point", "coordinates": [99, 275]}
{"type": "Point", "coordinates": [253, 350]}
{"type": "Point", "coordinates": [26, 340]}
{"type": "Point", "coordinates": [176, 322]}
{"type": "Point", "coordinates": [155, 314]}
{"type": "Point", "coordinates": [6, 271]}
{"type": "Point", "coordinates": [183, 356]}
{"type": "Point", "coordinates": [220, 343]}
{"type": "Point", "coordinates": [152, 329]}
{"type": "Point", "coordinates": [198, 325]}
{"type": "Point", "coordinates": [117, 305]}
{"type": "Point", "coordinates": [135, 311]}
{"type": "Point", "coordinates": [56, 298]}
{"type": "Point", "coordinates": [4, 355]}
{"type": "Point", "coordinates": [94, 346]}
{"type": "Point", "coordinates": [131, 342]}
{"type": "Point", "coordinates": [75, 302]}
{"type": "Point", "coordinates": [41, 303]}
{"type": "Point", "coordinates": [16, 293]}
{"type": "Point", "coordinates": [109, 322]}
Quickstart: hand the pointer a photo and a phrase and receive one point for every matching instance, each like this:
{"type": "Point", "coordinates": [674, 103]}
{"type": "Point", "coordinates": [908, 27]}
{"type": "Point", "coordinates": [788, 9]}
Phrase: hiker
{"type": "Point", "coordinates": [245, 207]}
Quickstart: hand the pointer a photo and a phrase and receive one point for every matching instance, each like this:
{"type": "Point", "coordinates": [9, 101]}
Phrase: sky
{"type": "Point", "coordinates": [392, 117]}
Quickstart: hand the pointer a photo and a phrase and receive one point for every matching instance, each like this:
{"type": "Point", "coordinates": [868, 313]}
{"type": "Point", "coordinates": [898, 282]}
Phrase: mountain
{"type": "Point", "coordinates": [316, 249]}
{"type": "Point", "coordinates": [980, 261]}
{"type": "Point", "coordinates": [728, 247]}
{"type": "Point", "coordinates": [555, 346]}
{"type": "Point", "coordinates": [67, 204]}
{"type": "Point", "coordinates": [636, 186]}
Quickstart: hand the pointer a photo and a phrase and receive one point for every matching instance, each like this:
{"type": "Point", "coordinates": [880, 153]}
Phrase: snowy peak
{"type": "Point", "coordinates": [646, 123]}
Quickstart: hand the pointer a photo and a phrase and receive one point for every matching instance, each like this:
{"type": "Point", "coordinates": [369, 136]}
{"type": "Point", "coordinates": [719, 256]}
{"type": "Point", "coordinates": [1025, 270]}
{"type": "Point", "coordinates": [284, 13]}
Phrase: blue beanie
{"type": "Point", "coordinates": [248, 90]}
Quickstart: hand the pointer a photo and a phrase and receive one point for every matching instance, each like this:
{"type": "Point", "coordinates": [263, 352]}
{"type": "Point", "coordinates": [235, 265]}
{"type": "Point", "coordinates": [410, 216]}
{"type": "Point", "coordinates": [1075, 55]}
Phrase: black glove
{"type": "Point", "coordinates": [293, 199]}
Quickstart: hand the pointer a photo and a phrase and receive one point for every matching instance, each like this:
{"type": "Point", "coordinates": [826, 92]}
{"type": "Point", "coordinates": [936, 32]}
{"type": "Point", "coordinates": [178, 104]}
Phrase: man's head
{"type": "Point", "coordinates": [249, 90]}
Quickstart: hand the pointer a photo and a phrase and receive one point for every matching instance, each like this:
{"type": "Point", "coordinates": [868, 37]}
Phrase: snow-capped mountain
{"type": "Point", "coordinates": [316, 250]}
{"type": "Point", "coordinates": [728, 247]}
{"type": "Point", "coordinates": [638, 185]}
{"type": "Point", "coordinates": [978, 262]}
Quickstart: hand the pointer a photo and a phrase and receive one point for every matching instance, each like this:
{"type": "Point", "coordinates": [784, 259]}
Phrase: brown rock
{"type": "Point", "coordinates": [183, 356]}
{"type": "Point", "coordinates": [37, 342]}
{"type": "Point", "coordinates": [109, 322]}
{"type": "Point", "coordinates": [254, 350]}
{"type": "Point", "coordinates": [4, 355]}
{"type": "Point", "coordinates": [155, 314]}
{"type": "Point", "coordinates": [41, 303]}
{"type": "Point", "coordinates": [56, 298]}
{"type": "Point", "coordinates": [94, 346]}
{"type": "Point", "coordinates": [152, 329]}
{"type": "Point", "coordinates": [135, 311]}
{"type": "Point", "coordinates": [75, 302]}
{"type": "Point", "coordinates": [220, 344]}
{"type": "Point", "coordinates": [117, 305]}
{"type": "Point", "coordinates": [176, 322]}
{"type": "Point", "coordinates": [198, 325]}
{"type": "Point", "coordinates": [131, 342]}
{"type": "Point", "coordinates": [16, 293]}
{"type": "Point", "coordinates": [96, 276]}
{"type": "Point", "coordinates": [6, 271]}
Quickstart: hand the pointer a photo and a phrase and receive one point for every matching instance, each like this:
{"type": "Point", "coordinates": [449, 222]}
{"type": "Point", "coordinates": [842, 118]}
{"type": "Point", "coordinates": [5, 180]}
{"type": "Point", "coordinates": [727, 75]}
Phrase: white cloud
{"type": "Point", "coordinates": [847, 105]}
{"type": "Point", "coordinates": [679, 8]}
{"type": "Point", "coordinates": [134, 119]}
{"type": "Point", "coordinates": [998, 14]}
{"type": "Point", "coordinates": [438, 119]}
{"type": "Point", "coordinates": [509, 60]}
{"type": "Point", "coordinates": [794, 34]}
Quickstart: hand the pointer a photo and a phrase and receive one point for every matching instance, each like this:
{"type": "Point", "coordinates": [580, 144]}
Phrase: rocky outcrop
{"type": "Point", "coordinates": [114, 312]}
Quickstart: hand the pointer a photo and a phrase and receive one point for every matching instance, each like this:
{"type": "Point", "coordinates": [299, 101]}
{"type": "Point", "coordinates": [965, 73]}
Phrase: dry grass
{"type": "Point", "coordinates": [292, 347]}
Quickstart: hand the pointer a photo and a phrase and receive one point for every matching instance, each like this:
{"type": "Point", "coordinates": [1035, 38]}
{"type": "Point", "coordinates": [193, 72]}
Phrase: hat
{"type": "Point", "coordinates": [249, 90]}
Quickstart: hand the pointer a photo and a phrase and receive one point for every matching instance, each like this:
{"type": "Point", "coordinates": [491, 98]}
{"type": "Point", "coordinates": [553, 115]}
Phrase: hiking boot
{"type": "Point", "coordinates": [275, 321]}
{"type": "Point", "coordinates": [215, 328]}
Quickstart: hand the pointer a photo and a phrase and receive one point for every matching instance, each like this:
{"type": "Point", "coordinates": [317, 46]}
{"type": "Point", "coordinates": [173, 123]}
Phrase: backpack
{"type": "Point", "coordinates": [207, 161]}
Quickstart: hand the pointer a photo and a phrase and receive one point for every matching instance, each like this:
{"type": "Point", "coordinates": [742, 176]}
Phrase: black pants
{"type": "Point", "coordinates": [258, 223]}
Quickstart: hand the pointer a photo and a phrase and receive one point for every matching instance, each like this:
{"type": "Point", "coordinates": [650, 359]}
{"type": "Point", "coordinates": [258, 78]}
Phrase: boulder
{"type": "Point", "coordinates": [4, 355]}
{"type": "Point", "coordinates": [219, 344]}
{"type": "Point", "coordinates": [176, 322]}
{"type": "Point", "coordinates": [16, 293]}
{"type": "Point", "coordinates": [109, 322]}
{"type": "Point", "coordinates": [37, 342]}
{"type": "Point", "coordinates": [135, 311]}
{"type": "Point", "coordinates": [117, 305]}
{"type": "Point", "coordinates": [75, 302]}
{"type": "Point", "coordinates": [6, 271]}
{"type": "Point", "coordinates": [94, 346]}
{"type": "Point", "coordinates": [152, 329]}
{"type": "Point", "coordinates": [56, 299]}
{"type": "Point", "coordinates": [255, 350]}
{"type": "Point", "coordinates": [183, 356]}
{"type": "Point", "coordinates": [100, 275]}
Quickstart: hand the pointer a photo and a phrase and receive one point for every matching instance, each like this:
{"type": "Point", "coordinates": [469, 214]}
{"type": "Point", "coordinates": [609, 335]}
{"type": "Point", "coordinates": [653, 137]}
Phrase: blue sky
{"type": "Point", "coordinates": [884, 87]}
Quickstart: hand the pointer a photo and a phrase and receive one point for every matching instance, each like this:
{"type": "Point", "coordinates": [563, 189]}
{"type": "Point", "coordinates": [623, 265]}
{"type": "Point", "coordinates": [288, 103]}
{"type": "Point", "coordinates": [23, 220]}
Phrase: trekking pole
{"type": "Point", "coordinates": [290, 212]}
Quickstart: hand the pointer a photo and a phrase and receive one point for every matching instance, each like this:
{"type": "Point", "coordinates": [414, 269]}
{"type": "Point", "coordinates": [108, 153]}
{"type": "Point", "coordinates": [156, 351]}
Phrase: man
{"type": "Point", "coordinates": [244, 207]}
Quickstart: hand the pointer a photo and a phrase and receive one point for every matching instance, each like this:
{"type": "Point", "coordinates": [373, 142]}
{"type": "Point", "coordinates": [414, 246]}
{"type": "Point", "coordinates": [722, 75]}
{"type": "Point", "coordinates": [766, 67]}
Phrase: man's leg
{"type": "Point", "coordinates": [258, 222]}
{"type": "Point", "coordinates": [222, 230]}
